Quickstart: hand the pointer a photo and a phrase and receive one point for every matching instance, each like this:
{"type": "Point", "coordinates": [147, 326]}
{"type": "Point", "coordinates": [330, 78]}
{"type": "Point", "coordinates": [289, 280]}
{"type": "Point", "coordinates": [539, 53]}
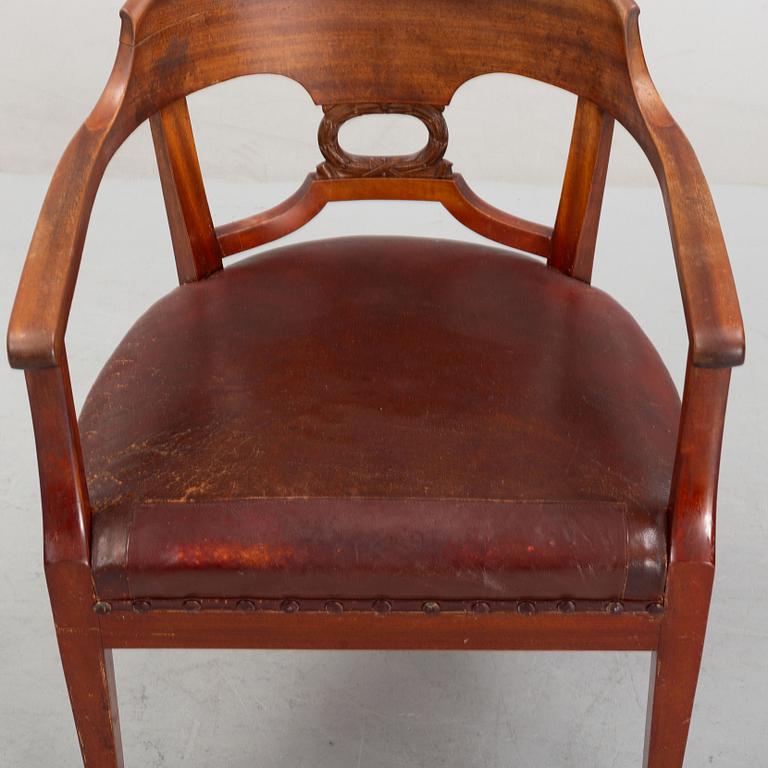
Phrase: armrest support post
{"type": "Point", "coordinates": [66, 508]}
{"type": "Point", "coordinates": [693, 499]}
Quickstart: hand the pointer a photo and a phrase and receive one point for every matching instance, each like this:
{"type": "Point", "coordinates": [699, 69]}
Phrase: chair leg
{"type": "Point", "coordinates": [675, 673]}
{"type": "Point", "coordinates": [87, 665]}
{"type": "Point", "coordinates": [91, 683]}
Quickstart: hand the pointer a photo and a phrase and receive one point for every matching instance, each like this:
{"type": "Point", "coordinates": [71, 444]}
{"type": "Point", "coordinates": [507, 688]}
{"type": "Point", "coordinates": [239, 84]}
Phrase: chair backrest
{"type": "Point", "coordinates": [383, 51]}
{"type": "Point", "coordinates": [365, 56]}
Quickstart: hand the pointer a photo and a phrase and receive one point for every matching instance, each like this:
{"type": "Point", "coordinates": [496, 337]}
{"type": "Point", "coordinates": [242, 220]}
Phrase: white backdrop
{"type": "Point", "coordinates": [709, 60]}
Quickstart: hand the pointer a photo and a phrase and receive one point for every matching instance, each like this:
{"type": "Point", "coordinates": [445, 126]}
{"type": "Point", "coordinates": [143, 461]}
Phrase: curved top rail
{"type": "Point", "coordinates": [348, 51]}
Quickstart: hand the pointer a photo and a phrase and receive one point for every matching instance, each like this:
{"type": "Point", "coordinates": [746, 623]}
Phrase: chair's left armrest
{"type": "Point", "coordinates": [717, 343]}
{"type": "Point", "coordinates": [713, 316]}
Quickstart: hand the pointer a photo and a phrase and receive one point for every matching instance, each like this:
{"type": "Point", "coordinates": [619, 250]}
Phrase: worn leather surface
{"type": "Point", "coordinates": [382, 417]}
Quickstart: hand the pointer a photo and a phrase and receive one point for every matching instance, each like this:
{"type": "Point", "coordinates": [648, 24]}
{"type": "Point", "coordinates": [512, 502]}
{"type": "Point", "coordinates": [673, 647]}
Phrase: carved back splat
{"type": "Point", "coordinates": [426, 163]}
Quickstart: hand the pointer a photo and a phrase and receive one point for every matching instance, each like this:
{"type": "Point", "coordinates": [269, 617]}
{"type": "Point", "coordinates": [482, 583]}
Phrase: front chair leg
{"type": "Point", "coordinates": [87, 666]}
{"type": "Point", "coordinates": [675, 669]}
{"type": "Point", "coordinates": [91, 683]}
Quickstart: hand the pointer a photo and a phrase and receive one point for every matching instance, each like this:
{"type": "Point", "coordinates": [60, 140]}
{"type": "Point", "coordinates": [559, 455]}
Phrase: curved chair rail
{"type": "Point", "coordinates": [453, 193]}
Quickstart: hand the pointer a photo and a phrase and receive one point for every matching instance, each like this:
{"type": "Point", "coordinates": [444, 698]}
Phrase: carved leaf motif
{"type": "Point", "coordinates": [428, 162]}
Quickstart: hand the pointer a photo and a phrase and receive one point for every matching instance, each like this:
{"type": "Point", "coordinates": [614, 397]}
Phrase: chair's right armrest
{"type": "Point", "coordinates": [41, 310]}
{"type": "Point", "coordinates": [36, 344]}
{"type": "Point", "coordinates": [43, 300]}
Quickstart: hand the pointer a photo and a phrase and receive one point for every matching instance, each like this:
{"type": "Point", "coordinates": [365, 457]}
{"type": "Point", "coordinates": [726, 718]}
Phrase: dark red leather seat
{"type": "Point", "coordinates": [382, 418]}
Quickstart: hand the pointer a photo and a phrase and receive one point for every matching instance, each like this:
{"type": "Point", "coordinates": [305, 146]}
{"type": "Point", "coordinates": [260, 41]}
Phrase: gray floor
{"type": "Point", "coordinates": [381, 710]}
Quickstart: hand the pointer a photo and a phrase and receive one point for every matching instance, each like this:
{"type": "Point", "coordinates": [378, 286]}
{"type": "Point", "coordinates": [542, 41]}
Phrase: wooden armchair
{"type": "Point", "coordinates": [381, 443]}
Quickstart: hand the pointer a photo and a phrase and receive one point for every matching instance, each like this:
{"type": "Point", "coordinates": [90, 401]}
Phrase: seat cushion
{"type": "Point", "coordinates": [382, 418]}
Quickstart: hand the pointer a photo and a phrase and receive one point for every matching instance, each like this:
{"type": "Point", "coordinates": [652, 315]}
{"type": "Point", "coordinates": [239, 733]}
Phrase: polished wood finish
{"type": "Point", "coordinates": [66, 528]}
{"type": "Point", "coordinates": [454, 194]}
{"type": "Point", "coordinates": [353, 58]}
{"type": "Point", "coordinates": [675, 667]}
{"type": "Point", "coordinates": [578, 217]}
{"type": "Point", "coordinates": [87, 663]}
{"type": "Point", "coordinates": [394, 631]}
{"type": "Point", "coordinates": [426, 163]}
{"type": "Point", "coordinates": [197, 250]}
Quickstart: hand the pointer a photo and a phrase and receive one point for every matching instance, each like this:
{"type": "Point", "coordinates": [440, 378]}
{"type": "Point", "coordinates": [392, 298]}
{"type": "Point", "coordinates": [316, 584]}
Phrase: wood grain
{"type": "Point", "coordinates": [426, 163]}
{"type": "Point", "coordinates": [393, 631]}
{"type": "Point", "coordinates": [454, 194]}
{"type": "Point", "coordinates": [195, 246]}
{"type": "Point", "coordinates": [578, 217]}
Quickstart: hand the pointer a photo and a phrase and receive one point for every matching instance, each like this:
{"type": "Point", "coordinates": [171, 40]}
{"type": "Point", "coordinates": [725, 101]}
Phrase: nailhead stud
{"type": "Point", "coordinates": [142, 606]}
{"type": "Point", "coordinates": [246, 605]}
{"type": "Point", "coordinates": [526, 608]}
{"type": "Point", "coordinates": [481, 607]}
{"type": "Point", "coordinates": [615, 608]}
{"type": "Point", "coordinates": [431, 607]}
{"type": "Point", "coordinates": [192, 606]}
{"type": "Point", "coordinates": [102, 607]}
{"type": "Point", "coordinates": [334, 606]}
{"type": "Point", "coordinates": [382, 606]}
{"type": "Point", "coordinates": [289, 606]}
{"type": "Point", "coordinates": [566, 606]}
{"type": "Point", "coordinates": [656, 609]}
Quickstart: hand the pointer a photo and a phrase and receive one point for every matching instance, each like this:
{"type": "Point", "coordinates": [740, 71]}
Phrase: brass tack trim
{"type": "Point", "coordinates": [381, 606]}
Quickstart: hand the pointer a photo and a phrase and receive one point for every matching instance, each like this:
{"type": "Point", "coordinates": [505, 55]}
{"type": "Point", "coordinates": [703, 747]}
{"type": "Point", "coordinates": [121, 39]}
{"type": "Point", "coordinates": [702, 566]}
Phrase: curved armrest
{"type": "Point", "coordinates": [43, 300]}
{"type": "Point", "coordinates": [41, 309]}
{"type": "Point", "coordinates": [713, 316]}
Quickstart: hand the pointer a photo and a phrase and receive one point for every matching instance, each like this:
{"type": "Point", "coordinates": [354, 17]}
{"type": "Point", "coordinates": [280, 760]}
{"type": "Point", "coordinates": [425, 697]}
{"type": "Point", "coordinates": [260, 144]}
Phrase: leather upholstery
{"type": "Point", "coordinates": [382, 417]}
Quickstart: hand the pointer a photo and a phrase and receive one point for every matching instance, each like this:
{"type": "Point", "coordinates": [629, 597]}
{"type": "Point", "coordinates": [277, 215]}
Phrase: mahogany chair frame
{"type": "Point", "coordinates": [171, 48]}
